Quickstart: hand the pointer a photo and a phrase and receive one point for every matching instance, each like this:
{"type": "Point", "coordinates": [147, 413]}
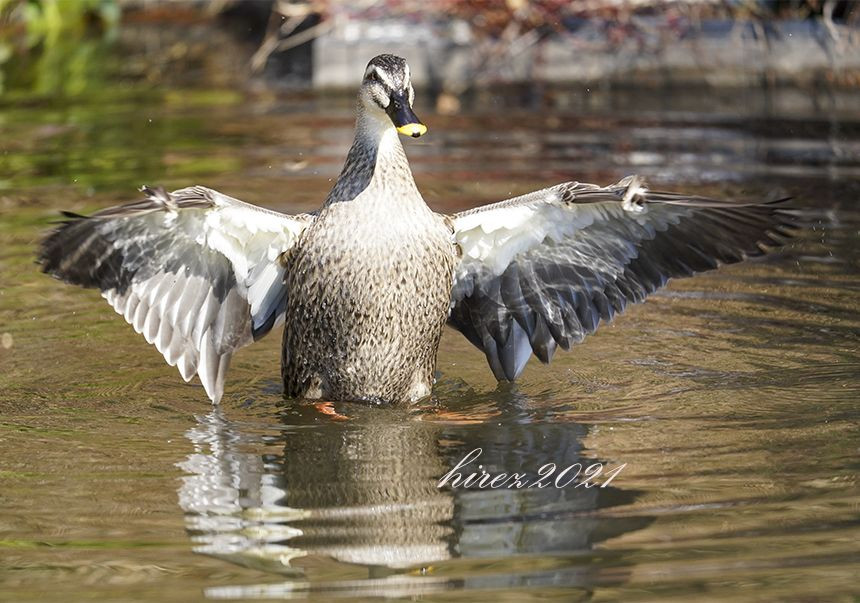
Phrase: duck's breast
{"type": "Point", "coordinates": [367, 300]}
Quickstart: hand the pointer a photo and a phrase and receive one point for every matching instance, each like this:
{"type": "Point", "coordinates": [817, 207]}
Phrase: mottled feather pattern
{"type": "Point", "coordinates": [368, 286]}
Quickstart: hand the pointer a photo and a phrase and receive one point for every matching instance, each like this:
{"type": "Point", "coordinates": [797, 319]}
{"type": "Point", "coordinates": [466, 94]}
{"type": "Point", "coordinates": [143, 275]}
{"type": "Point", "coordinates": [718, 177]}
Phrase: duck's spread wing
{"type": "Point", "coordinates": [542, 270]}
{"type": "Point", "coordinates": [198, 273]}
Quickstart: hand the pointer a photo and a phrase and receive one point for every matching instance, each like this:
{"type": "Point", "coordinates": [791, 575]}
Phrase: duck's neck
{"type": "Point", "coordinates": [375, 161]}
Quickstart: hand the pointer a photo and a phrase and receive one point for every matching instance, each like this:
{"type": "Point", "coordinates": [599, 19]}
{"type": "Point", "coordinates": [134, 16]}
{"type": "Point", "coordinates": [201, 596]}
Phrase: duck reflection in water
{"type": "Point", "coordinates": [364, 490]}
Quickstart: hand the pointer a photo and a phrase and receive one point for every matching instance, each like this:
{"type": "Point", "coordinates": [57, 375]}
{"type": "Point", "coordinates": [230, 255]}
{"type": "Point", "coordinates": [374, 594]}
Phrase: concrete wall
{"type": "Point", "coordinates": [447, 55]}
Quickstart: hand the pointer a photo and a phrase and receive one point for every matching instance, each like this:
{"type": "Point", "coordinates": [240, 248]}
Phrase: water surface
{"type": "Point", "coordinates": [729, 399]}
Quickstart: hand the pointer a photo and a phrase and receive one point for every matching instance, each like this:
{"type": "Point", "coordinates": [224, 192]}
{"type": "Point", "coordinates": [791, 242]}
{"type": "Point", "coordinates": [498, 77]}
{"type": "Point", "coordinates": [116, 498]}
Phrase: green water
{"type": "Point", "coordinates": [730, 399]}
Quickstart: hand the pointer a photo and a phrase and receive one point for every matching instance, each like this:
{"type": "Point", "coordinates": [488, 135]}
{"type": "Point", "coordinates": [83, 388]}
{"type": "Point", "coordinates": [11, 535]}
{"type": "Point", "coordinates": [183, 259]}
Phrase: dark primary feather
{"type": "Point", "coordinates": [570, 276]}
{"type": "Point", "coordinates": [107, 250]}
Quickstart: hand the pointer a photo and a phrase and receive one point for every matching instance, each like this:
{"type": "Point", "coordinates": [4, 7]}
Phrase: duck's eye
{"type": "Point", "coordinates": [373, 77]}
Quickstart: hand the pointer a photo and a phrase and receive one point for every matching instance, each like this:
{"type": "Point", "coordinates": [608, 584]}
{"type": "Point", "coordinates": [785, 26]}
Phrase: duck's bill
{"type": "Point", "coordinates": [413, 129]}
{"type": "Point", "coordinates": [405, 120]}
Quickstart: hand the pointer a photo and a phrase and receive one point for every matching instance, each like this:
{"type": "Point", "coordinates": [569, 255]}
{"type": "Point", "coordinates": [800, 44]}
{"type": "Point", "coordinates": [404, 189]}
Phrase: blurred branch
{"type": "Point", "coordinates": [281, 34]}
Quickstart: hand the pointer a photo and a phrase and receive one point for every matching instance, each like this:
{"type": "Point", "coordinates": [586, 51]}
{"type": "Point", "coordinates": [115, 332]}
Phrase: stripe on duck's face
{"type": "Point", "coordinates": [386, 76]}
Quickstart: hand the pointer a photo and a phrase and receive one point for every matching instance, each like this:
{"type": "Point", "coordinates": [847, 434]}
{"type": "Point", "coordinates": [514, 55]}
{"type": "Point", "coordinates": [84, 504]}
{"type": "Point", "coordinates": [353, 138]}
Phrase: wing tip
{"type": "Point", "coordinates": [63, 240]}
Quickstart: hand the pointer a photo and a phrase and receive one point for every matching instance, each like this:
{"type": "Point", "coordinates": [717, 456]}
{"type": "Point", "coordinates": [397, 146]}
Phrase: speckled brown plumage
{"type": "Point", "coordinates": [368, 283]}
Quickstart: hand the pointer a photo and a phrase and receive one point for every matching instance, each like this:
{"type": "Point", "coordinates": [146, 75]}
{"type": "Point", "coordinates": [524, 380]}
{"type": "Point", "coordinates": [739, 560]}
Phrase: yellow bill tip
{"type": "Point", "coordinates": [414, 130]}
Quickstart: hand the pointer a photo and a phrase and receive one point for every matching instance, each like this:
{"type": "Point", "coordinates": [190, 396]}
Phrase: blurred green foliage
{"type": "Point", "coordinates": [55, 46]}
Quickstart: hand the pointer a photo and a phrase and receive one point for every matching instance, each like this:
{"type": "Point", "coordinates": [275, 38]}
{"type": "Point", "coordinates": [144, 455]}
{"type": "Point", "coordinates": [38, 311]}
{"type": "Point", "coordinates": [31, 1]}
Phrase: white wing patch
{"type": "Point", "coordinates": [493, 238]}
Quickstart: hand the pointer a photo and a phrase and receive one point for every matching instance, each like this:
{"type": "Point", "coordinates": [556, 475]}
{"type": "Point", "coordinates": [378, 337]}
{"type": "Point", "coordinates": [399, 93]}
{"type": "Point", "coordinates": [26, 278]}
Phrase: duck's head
{"type": "Point", "coordinates": [387, 93]}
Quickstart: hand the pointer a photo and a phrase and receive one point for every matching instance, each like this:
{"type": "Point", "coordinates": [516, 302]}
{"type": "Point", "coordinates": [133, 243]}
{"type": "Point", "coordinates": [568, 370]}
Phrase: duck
{"type": "Point", "coordinates": [366, 284]}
